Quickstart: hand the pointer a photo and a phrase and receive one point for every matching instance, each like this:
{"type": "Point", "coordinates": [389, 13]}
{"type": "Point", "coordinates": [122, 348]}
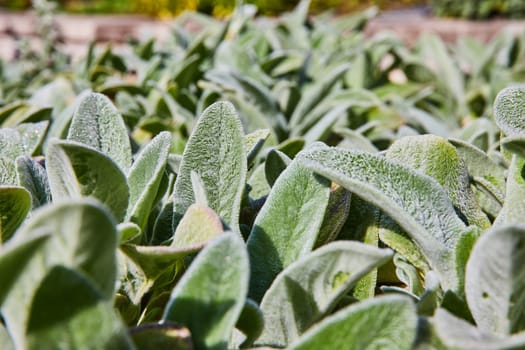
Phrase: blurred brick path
{"type": "Point", "coordinates": [78, 30]}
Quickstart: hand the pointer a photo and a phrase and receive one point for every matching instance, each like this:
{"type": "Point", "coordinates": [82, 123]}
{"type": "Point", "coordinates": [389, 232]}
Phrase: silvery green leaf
{"type": "Point", "coordinates": [489, 177]}
{"type": "Point", "coordinates": [514, 206]}
{"type": "Point", "coordinates": [8, 176]}
{"type": "Point", "coordinates": [215, 151]}
{"type": "Point", "coordinates": [82, 237]}
{"type": "Point", "coordinates": [75, 170]}
{"type": "Point", "coordinates": [415, 201]}
{"type": "Point", "coordinates": [456, 333]}
{"type": "Point", "coordinates": [436, 157]}
{"type": "Point", "coordinates": [32, 176]}
{"type": "Point", "coordinates": [336, 214]}
{"type": "Point", "coordinates": [144, 178]}
{"type": "Point", "coordinates": [32, 135]}
{"type": "Point", "coordinates": [514, 144]}
{"type": "Point", "coordinates": [68, 311]}
{"type": "Point", "coordinates": [494, 282]}
{"type": "Point", "coordinates": [309, 289]}
{"type": "Point", "coordinates": [287, 226]}
{"type": "Point", "coordinates": [509, 113]}
{"type": "Point", "coordinates": [15, 203]}
{"type": "Point", "coordinates": [253, 143]}
{"type": "Point", "coordinates": [209, 297]}
{"type": "Point", "coordinates": [383, 322]}
{"type": "Point", "coordinates": [13, 260]}
{"type": "Point", "coordinates": [199, 225]}
{"type": "Point", "coordinates": [98, 124]}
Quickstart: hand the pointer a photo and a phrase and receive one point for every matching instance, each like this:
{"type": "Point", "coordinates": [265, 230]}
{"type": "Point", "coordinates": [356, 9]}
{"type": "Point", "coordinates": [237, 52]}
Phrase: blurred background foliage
{"type": "Point", "coordinates": [471, 9]}
{"type": "Point", "coordinates": [218, 8]}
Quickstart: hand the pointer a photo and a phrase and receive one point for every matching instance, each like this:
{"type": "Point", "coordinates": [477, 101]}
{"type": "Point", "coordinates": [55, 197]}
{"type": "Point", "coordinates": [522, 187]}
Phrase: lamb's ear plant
{"type": "Point", "coordinates": [215, 151]}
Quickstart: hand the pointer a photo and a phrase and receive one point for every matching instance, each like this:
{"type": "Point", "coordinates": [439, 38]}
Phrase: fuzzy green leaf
{"type": "Point", "coordinates": [287, 225]}
{"type": "Point", "coordinates": [13, 260]}
{"type": "Point", "coordinates": [215, 151]}
{"type": "Point", "coordinates": [514, 206]}
{"type": "Point", "coordinates": [76, 170]}
{"type": "Point", "coordinates": [495, 280]}
{"type": "Point", "coordinates": [210, 295]}
{"type": "Point", "coordinates": [67, 311]}
{"type": "Point", "coordinates": [509, 110]}
{"type": "Point", "coordinates": [310, 288]}
{"type": "Point", "coordinates": [98, 124]}
{"type": "Point", "coordinates": [384, 322]}
{"type": "Point", "coordinates": [436, 157]}
{"type": "Point", "coordinates": [144, 178]}
{"type": "Point", "coordinates": [15, 203]}
{"type": "Point", "coordinates": [199, 225]}
{"type": "Point", "coordinates": [415, 201]}
{"type": "Point", "coordinates": [82, 237]}
{"type": "Point", "coordinates": [32, 176]}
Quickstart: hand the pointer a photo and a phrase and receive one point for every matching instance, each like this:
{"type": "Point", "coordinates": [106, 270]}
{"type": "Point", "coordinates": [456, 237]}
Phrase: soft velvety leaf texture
{"type": "Point", "coordinates": [144, 178]}
{"type": "Point", "coordinates": [387, 322]}
{"type": "Point", "coordinates": [253, 143]}
{"type": "Point", "coordinates": [82, 237]}
{"type": "Point", "coordinates": [495, 280]}
{"type": "Point", "coordinates": [210, 295]}
{"type": "Point", "coordinates": [215, 151]}
{"type": "Point", "coordinates": [513, 209]}
{"type": "Point", "coordinates": [98, 124]}
{"type": "Point", "coordinates": [67, 311]}
{"type": "Point", "coordinates": [76, 170]}
{"type": "Point", "coordinates": [7, 172]}
{"type": "Point", "coordinates": [485, 171]}
{"type": "Point", "coordinates": [15, 203]}
{"type": "Point", "coordinates": [415, 201]}
{"type": "Point", "coordinates": [13, 259]}
{"type": "Point", "coordinates": [32, 176]}
{"type": "Point", "coordinates": [287, 225]}
{"type": "Point", "coordinates": [199, 225]}
{"type": "Point", "coordinates": [309, 288]}
{"type": "Point", "coordinates": [32, 136]}
{"type": "Point", "coordinates": [509, 110]}
{"type": "Point", "coordinates": [456, 333]}
{"type": "Point", "coordinates": [436, 157]}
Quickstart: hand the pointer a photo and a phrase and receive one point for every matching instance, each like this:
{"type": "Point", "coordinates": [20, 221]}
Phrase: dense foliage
{"type": "Point", "coordinates": [279, 183]}
{"type": "Point", "coordinates": [479, 9]}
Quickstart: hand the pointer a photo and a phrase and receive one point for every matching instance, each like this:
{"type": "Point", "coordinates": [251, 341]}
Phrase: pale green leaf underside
{"type": "Point", "coordinates": [215, 151]}
{"type": "Point", "coordinates": [415, 201]}
{"type": "Point", "coordinates": [287, 226]}
{"type": "Point", "coordinates": [387, 322]}
{"type": "Point", "coordinates": [75, 170]}
{"type": "Point", "coordinates": [308, 289]}
{"type": "Point", "coordinates": [98, 124]}
{"type": "Point", "coordinates": [210, 296]}
{"type": "Point", "coordinates": [495, 280]}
